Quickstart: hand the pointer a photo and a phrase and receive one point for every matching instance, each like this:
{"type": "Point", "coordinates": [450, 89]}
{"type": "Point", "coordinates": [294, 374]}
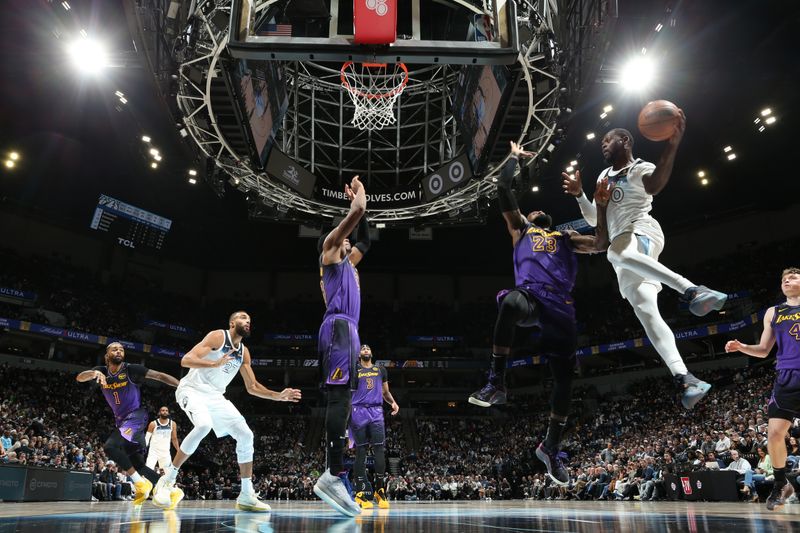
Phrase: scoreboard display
{"type": "Point", "coordinates": [131, 226]}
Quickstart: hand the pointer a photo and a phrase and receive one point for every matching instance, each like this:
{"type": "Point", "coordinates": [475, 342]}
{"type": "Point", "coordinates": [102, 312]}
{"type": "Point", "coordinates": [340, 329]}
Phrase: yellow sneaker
{"type": "Point", "coordinates": [175, 497]}
{"type": "Point", "coordinates": [143, 488]}
{"type": "Point", "coordinates": [362, 501]}
{"type": "Point", "coordinates": [380, 496]}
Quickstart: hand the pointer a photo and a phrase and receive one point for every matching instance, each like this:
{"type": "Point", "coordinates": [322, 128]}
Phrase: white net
{"type": "Point", "coordinates": [374, 89]}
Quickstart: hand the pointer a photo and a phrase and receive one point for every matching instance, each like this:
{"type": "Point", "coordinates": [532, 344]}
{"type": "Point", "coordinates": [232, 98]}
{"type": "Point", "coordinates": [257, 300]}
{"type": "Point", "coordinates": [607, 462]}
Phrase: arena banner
{"type": "Point", "coordinates": [380, 198]}
{"type": "Point", "coordinates": [12, 483]}
{"type": "Point", "coordinates": [433, 340]}
{"type": "Point", "coordinates": [78, 486]}
{"type": "Point", "coordinates": [177, 328]}
{"type": "Point", "coordinates": [44, 484]}
{"type": "Point", "coordinates": [285, 339]}
{"type": "Point", "coordinates": [16, 294]}
{"type": "Point", "coordinates": [580, 225]}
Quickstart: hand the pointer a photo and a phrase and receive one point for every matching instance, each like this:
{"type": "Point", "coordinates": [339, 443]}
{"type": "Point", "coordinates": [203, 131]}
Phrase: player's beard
{"type": "Point", "coordinates": [242, 332]}
{"type": "Point", "coordinates": [117, 359]}
{"type": "Point", "coordinates": [366, 359]}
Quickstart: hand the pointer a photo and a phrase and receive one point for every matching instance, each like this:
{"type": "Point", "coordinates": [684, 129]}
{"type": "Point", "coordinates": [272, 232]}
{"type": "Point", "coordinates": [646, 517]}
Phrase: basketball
{"type": "Point", "coordinates": [657, 120]}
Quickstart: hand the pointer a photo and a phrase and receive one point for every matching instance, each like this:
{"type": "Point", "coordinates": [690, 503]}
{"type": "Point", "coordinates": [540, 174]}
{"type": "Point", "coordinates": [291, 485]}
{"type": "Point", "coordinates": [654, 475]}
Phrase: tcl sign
{"type": "Point", "coordinates": [125, 242]}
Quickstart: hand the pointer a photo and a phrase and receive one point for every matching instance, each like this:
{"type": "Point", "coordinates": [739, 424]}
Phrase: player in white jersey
{"type": "Point", "coordinates": [636, 242]}
{"type": "Point", "coordinates": [160, 433]}
{"type": "Point", "coordinates": [213, 363]}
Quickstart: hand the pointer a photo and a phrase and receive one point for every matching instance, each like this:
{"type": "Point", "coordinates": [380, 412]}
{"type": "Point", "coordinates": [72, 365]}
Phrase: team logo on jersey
{"type": "Point", "coordinates": [337, 374]}
{"type": "Point", "coordinates": [121, 376]}
{"type": "Point", "coordinates": [617, 194]}
{"type": "Point", "coordinates": [127, 432]}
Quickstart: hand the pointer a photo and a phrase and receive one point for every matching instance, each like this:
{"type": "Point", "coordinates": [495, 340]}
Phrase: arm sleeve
{"type": "Point", "coordinates": [505, 195]}
{"type": "Point", "coordinates": [363, 243]}
{"type": "Point", "coordinates": [588, 209]}
{"type": "Point", "coordinates": [136, 373]}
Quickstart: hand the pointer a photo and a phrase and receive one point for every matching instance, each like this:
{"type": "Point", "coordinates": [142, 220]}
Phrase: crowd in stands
{"type": "Point", "coordinates": [621, 450]}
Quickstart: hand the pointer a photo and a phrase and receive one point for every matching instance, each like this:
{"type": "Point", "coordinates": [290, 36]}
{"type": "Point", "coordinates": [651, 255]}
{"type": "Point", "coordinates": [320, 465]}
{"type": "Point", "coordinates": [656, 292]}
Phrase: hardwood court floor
{"type": "Point", "coordinates": [442, 517]}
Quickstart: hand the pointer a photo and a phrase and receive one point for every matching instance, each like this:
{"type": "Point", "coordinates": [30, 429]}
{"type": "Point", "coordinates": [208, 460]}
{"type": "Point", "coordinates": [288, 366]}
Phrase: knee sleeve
{"type": "Point", "coordinates": [563, 373]}
{"type": "Point", "coordinates": [195, 436]}
{"type": "Point", "coordinates": [515, 309]}
{"type": "Point", "coordinates": [243, 436]}
{"type": "Point", "coordinates": [115, 450]}
{"type": "Point", "coordinates": [336, 416]}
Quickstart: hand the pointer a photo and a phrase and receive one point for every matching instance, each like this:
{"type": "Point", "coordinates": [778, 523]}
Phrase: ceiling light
{"type": "Point", "coordinates": [727, 149]}
{"type": "Point", "coordinates": [573, 163]}
{"type": "Point", "coordinates": [119, 94]}
{"type": "Point", "coordinates": [770, 120]}
{"type": "Point", "coordinates": [608, 109]}
{"type": "Point", "coordinates": [766, 111]}
{"type": "Point", "coordinates": [88, 56]}
{"type": "Point", "coordinates": [123, 100]}
{"type": "Point", "coordinates": [157, 158]}
{"type": "Point", "coordinates": [535, 188]}
{"type": "Point", "coordinates": [603, 115]}
{"type": "Point", "coordinates": [704, 181]}
{"type": "Point", "coordinates": [145, 138]}
{"type": "Point", "coordinates": [637, 74]}
{"type": "Point", "coordinates": [644, 50]}
{"type": "Point", "coordinates": [570, 169]}
{"type": "Point", "coordinates": [761, 128]}
{"type": "Point", "coordinates": [66, 5]}
{"type": "Point", "coordinates": [153, 165]}
{"type": "Point", "coordinates": [701, 174]}
{"type": "Point", "coordinates": [84, 34]}
{"type": "Point", "coordinates": [153, 152]}
{"type": "Point", "coordinates": [659, 27]}
{"type": "Point", "coordinates": [380, 225]}
{"type": "Point", "coordinates": [13, 156]}
{"type": "Point", "coordinates": [10, 163]}
{"type": "Point", "coordinates": [731, 156]}
{"type": "Point", "coordinates": [192, 181]}
{"type": "Point", "coordinates": [590, 136]}
{"type": "Point", "coordinates": [192, 172]}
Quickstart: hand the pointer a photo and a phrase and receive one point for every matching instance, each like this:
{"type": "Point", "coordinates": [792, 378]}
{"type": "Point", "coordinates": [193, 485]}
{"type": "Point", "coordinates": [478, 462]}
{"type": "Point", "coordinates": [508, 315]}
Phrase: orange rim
{"type": "Point", "coordinates": [373, 96]}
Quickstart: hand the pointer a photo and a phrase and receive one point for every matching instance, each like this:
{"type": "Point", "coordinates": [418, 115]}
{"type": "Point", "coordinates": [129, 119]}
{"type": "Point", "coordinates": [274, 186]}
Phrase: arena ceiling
{"type": "Point", "coordinates": [722, 62]}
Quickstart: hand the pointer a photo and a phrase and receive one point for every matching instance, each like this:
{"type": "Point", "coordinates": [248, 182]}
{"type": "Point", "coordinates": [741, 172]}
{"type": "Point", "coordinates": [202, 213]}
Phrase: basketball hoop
{"type": "Point", "coordinates": [373, 88]}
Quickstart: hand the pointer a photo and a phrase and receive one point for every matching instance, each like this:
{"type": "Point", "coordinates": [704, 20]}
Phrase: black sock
{"type": "Point", "coordinates": [780, 476]}
{"type": "Point", "coordinates": [554, 431]}
{"type": "Point", "coordinates": [336, 416]}
{"type": "Point", "coordinates": [498, 364]}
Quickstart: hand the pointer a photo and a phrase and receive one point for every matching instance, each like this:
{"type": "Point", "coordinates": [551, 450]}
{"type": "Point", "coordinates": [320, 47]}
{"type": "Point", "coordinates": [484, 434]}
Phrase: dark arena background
{"type": "Point", "coordinates": [166, 163]}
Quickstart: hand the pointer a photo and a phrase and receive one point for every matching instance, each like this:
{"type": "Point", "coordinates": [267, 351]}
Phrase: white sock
{"type": "Point", "coordinates": [644, 300]}
{"type": "Point", "coordinates": [135, 477]}
{"type": "Point", "coordinates": [247, 485]}
{"type": "Point", "coordinates": [172, 473]}
{"type": "Point", "coordinates": [625, 252]}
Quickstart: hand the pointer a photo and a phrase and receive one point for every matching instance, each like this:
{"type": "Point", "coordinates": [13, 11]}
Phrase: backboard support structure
{"type": "Point", "coordinates": [474, 32]}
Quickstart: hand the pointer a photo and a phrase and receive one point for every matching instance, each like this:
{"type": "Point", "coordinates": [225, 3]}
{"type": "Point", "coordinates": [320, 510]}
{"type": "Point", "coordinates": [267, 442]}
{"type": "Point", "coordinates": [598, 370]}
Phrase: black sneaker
{"type": "Point", "coordinates": [776, 500]}
{"type": "Point", "coordinates": [555, 468]}
{"type": "Point", "coordinates": [493, 393]}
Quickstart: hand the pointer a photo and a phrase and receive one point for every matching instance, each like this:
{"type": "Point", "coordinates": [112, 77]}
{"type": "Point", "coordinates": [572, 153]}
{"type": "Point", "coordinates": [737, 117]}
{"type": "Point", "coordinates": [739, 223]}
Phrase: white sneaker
{"type": "Point", "coordinates": [333, 492]}
{"type": "Point", "coordinates": [162, 491]}
{"type": "Point", "coordinates": [248, 501]}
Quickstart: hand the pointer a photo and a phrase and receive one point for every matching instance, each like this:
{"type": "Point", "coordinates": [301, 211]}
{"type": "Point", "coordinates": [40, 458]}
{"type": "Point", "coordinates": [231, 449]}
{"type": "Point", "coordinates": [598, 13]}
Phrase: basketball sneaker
{"type": "Point", "coordinates": [493, 393]}
{"type": "Point", "coordinates": [380, 496]}
{"type": "Point", "coordinates": [362, 501]}
{"type": "Point", "coordinates": [248, 501]}
{"type": "Point", "coordinates": [332, 491]}
{"type": "Point", "coordinates": [162, 493]}
{"type": "Point", "coordinates": [692, 389]}
{"type": "Point", "coordinates": [143, 487]}
{"type": "Point", "coordinates": [555, 468]}
{"type": "Point", "coordinates": [775, 499]}
{"type": "Point", "coordinates": [703, 300]}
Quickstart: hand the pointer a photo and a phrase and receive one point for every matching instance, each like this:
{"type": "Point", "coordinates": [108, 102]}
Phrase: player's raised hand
{"type": "Point", "coordinates": [289, 395]}
{"type": "Point", "coordinates": [572, 184]}
{"type": "Point", "coordinates": [733, 346]}
{"type": "Point", "coordinates": [99, 377]}
{"type": "Point", "coordinates": [517, 150]}
{"type": "Point", "coordinates": [395, 408]}
{"type": "Point", "coordinates": [603, 192]}
{"type": "Point", "coordinates": [680, 128]}
{"type": "Point", "coordinates": [222, 361]}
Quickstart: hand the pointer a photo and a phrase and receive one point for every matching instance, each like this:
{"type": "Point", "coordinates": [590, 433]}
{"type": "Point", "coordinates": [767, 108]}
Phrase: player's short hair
{"type": "Point", "coordinates": [790, 270]}
{"type": "Point", "coordinates": [365, 347]}
{"type": "Point", "coordinates": [622, 132]}
{"type": "Point", "coordinates": [233, 315]}
{"type": "Point", "coordinates": [110, 344]}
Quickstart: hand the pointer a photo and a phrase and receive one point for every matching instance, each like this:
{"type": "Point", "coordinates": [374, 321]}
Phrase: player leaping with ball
{"type": "Point", "coordinates": [636, 242]}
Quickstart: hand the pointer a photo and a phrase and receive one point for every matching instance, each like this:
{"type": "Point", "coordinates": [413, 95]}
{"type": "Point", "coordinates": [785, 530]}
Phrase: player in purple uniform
{"type": "Point", "coordinates": [781, 327]}
{"type": "Point", "coordinates": [120, 384]}
{"type": "Point", "coordinates": [544, 269]}
{"type": "Point", "coordinates": [338, 339]}
{"type": "Point", "coordinates": [366, 426]}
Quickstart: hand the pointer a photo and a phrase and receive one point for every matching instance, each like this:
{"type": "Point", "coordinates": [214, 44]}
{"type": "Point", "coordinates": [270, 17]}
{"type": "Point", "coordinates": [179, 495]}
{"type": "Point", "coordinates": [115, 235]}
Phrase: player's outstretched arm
{"type": "Point", "coordinates": [257, 389]}
{"type": "Point", "coordinates": [155, 375]}
{"type": "Point", "coordinates": [358, 206]}
{"type": "Point", "coordinates": [599, 241]}
{"type": "Point", "coordinates": [515, 221]}
{"type": "Point", "coordinates": [195, 358]}
{"type": "Point", "coordinates": [654, 183]}
{"type": "Point", "coordinates": [572, 185]}
{"type": "Point", "coordinates": [89, 375]}
{"type": "Point", "coordinates": [360, 246]}
{"type": "Point", "coordinates": [764, 346]}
